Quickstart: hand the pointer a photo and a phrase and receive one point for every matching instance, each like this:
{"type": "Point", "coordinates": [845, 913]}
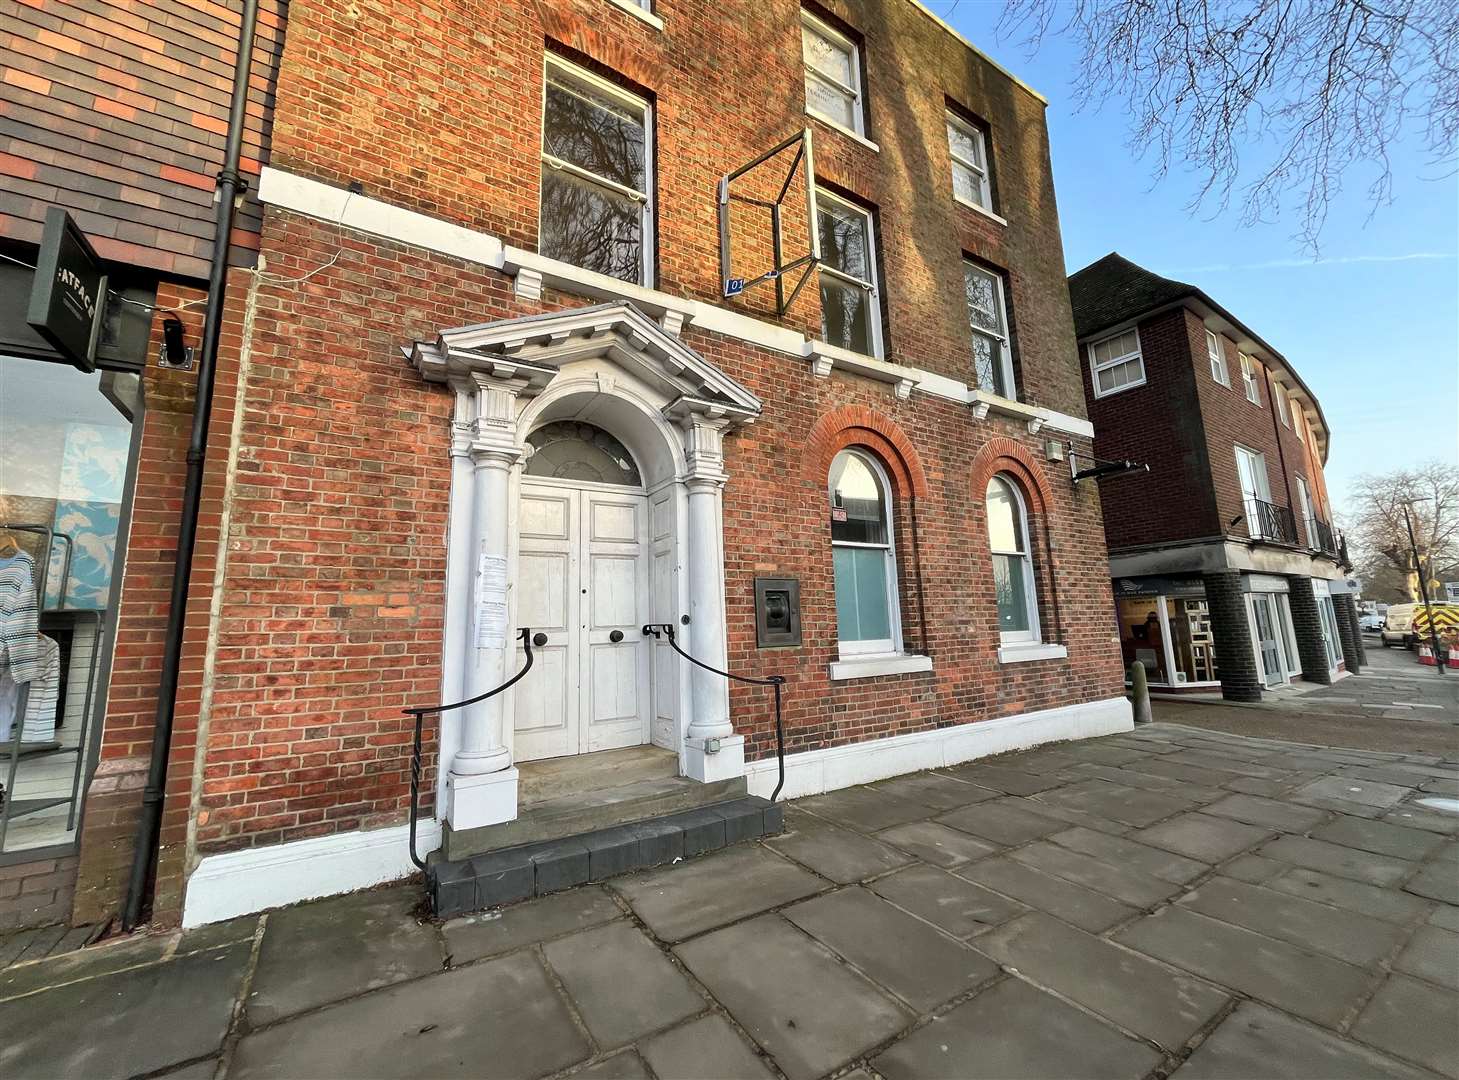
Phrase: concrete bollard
{"type": "Point", "coordinates": [1139, 693]}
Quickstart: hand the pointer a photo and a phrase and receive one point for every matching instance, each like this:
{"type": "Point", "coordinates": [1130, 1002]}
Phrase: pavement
{"type": "Point", "coordinates": [1393, 704]}
{"type": "Point", "coordinates": [1172, 901]}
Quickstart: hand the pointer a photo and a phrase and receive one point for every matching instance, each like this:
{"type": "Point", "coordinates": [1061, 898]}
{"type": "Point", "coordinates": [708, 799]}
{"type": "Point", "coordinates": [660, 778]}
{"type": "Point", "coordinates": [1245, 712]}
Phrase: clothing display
{"type": "Point", "coordinates": [26, 657]}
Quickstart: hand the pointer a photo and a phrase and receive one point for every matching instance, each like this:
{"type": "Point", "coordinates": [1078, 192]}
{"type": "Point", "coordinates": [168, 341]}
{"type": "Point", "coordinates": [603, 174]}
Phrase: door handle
{"type": "Point", "coordinates": [616, 636]}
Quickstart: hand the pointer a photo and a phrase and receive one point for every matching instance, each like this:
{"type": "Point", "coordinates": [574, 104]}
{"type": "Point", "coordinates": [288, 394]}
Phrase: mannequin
{"type": "Point", "coordinates": [26, 658]}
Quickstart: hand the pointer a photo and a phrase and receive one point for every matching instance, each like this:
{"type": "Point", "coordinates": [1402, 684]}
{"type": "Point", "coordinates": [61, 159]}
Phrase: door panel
{"type": "Point", "coordinates": [1266, 635]}
{"type": "Point", "coordinates": [583, 577]}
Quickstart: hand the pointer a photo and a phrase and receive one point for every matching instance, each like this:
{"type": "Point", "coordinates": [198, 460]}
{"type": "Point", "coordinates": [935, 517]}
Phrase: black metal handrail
{"type": "Point", "coordinates": [528, 639]}
{"type": "Point", "coordinates": [1268, 521]}
{"type": "Point", "coordinates": [777, 681]}
{"type": "Point", "coordinates": [1324, 537]}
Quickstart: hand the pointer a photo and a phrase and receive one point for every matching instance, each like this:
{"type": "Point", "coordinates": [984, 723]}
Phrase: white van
{"type": "Point", "coordinates": [1398, 627]}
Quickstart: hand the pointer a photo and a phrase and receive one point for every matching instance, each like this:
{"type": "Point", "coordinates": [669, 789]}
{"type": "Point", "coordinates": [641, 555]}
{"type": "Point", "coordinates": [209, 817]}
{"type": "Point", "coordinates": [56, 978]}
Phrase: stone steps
{"type": "Point", "coordinates": [552, 778]}
{"type": "Point", "coordinates": [504, 876]}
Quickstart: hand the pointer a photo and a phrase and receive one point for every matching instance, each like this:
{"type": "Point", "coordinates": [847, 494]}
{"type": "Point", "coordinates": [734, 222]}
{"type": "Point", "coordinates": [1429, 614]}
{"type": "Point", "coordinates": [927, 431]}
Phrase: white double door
{"type": "Point", "coordinates": [583, 580]}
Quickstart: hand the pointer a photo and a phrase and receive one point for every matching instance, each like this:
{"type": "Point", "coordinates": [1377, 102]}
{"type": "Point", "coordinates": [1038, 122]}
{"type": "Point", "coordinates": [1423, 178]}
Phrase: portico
{"type": "Point", "coordinates": [645, 547]}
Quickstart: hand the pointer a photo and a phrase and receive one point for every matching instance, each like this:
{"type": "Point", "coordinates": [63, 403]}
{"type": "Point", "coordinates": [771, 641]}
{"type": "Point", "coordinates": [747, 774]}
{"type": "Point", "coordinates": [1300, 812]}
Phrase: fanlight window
{"type": "Point", "coordinates": [568, 450]}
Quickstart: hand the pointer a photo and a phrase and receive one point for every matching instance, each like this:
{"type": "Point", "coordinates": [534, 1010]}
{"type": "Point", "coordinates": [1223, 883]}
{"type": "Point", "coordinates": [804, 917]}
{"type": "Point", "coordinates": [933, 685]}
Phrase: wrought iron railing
{"type": "Point", "coordinates": [528, 639]}
{"type": "Point", "coordinates": [1321, 536]}
{"type": "Point", "coordinates": [666, 630]}
{"type": "Point", "coordinates": [1268, 521]}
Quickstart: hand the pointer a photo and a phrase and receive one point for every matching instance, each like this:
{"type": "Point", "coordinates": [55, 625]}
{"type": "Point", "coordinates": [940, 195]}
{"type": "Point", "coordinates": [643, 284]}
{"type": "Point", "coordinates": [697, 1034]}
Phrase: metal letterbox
{"type": "Point", "coordinates": [777, 612]}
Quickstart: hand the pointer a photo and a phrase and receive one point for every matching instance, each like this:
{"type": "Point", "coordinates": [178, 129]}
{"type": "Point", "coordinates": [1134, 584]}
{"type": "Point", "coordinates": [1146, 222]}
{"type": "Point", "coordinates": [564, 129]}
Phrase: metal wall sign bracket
{"type": "Point", "coordinates": [803, 163]}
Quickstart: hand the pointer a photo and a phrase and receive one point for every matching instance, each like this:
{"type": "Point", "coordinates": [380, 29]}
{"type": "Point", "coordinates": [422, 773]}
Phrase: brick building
{"type": "Point", "coordinates": [1226, 568]}
{"type": "Point", "coordinates": [485, 376]}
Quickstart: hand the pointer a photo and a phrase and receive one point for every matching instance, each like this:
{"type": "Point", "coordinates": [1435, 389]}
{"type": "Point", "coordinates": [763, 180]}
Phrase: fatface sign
{"type": "Point", "coordinates": [68, 299]}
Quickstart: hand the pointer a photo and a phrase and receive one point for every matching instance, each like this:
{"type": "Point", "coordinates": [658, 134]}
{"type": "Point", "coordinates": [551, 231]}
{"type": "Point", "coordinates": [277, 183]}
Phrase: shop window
{"type": "Point", "coordinates": [864, 556]}
{"type": "Point", "coordinates": [65, 440]}
{"type": "Point", "coordinates": [1013, 578]}
{"type": "Point", "coordinates": [596, 175]}
{"type": "Point", "coordinates": [850, 298]}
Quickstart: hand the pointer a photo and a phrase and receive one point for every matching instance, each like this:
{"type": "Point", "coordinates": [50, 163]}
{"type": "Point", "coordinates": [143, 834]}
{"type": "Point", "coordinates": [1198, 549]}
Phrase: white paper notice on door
{"type": "Point", "coordinates": [491, 602]}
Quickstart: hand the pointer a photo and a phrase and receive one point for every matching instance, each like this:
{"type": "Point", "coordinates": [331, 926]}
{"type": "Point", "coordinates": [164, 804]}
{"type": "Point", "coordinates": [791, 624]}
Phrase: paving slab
{"type": "Point", "coordinates": [1149, 782]}
{"type": "Point", "coordinates": [1268, 813]}
{"type": "Point", "coordinates": [1386, 904]}
{"type": "Point", "coordinates": [680, 901]}
{"type": "Point", "coordinates": [1437, 881]}
{"type": "Point", "coordinates": [1131, 806]}
{"type": "Point", "coordinates": [704, 1049]}
{"type": "Point", "coordinates": [1358, 939]}
{"type": "Point", "coordinates": [326, 951]}
{"type": "Point", "coordinates": [495, 932]}
{"type": "Point", "coordinates": [1123, 851]}
{"type": "Point", "coordinates": [1253, 785]}
{"type": "Point", "coordinates": [864, 810]}
{"type": "Point", "coordinates": [792, 996]}
{"type": "Point", "coordinates": [952, 903]}
{"type": "Point", "coordinates": [1136, 993]}
{"type": "Point", "coordinates": [1128, 886]}
{"type": "Point", "coordinates": [1351, 789]}
{"type": "Point", "coordinates": [1257, 1041]}
{"type": "Point", "coordinates": [1379, 837]}
{"type": "Point", "coordinates": [1433, 954]}
{"type": "Point", "coordinates": [1254, 869]}
{"type": "Point", "coordinates": [1105, 753]}
{"type": "Point", "coordinates": [1337, 860]}
{"type": "Point", "coordinates": [1191, 774]}
{"type": "Point", "coordinates": [1298, 980]}
{"type": "Point", "coordinates": [1201, 836]}
{"type": "Point", "coordinates": [840, 854]}
{"type": "Point", "coordinates": [498, 1019]}
{"type": "Point", "coordinates": [978, 1041]}
{"type": "Point", "coordinates": [84, 964]}
{"type": "Point", "coordinates": [1445, 916]}
{"type": "Point", "coordinates": [1215, 760]}
{"type": "Point", "coordinates": [935, 790]}
{"type": "Point", "coordinates": [124, 1023]}
{"type": "Point", "coordinates": [1415, 1021]}
{"type": "Point", "coordinates": [1008, 779]}
{"type": "Point", "coordinates": [898, 952]}
{"type": "Point", "coordinates": [1418, 818]}
{"type": "Point", "coordinates": [1071, 816]}
{"type": "Point", "coordinates": [596, 965]}
{"type": "Point", "coordinates": [936, 843]}
{"type": "Point", "coordinates": [623, 1066]}
{"type": "Point", "coordinates": [1075, 904]}
{"type": "Point", "coordinates": [1004, 821]}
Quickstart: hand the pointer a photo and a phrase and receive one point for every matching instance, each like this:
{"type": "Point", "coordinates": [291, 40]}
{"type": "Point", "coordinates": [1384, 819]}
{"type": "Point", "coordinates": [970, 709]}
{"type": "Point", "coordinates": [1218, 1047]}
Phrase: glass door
{"type": "Point", "coordinates": [1270, 650]}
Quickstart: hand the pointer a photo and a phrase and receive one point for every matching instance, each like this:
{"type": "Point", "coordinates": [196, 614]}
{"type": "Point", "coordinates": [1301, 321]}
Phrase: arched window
{"type": "Point", "coordinates": [1013, 580]}
{"type": "Point", "coordinates": [865, 560]}
{"type": "Point", "coordinates": [569, 450]}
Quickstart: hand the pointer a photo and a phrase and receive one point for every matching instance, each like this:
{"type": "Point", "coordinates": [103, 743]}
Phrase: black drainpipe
{"type": "Point", "coordinates": [230, 187]}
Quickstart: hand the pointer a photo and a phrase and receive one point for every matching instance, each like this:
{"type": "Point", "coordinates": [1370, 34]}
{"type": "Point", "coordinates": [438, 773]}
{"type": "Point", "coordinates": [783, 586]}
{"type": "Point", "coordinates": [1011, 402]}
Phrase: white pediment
{"type": "Point", "coordinates": [532, 349]}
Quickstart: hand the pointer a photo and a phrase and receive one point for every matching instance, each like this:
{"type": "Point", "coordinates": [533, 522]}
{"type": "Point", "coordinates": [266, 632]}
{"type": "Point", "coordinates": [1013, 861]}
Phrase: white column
{"type": "Point", "coordinates": [482, 783]}
{"type": "Point", "coordinates": [712, 750]}
{"type": "Point", "coordinates": [458, 599]}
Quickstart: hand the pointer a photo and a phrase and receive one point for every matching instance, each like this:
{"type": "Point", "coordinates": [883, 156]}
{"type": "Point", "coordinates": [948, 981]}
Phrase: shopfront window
{"type": "Point", "coordinates": [1171, 636]}
{"type": "Point", "coordinates": [65, 439]}
{"type": "Point", "coordinates": [1142, 636]}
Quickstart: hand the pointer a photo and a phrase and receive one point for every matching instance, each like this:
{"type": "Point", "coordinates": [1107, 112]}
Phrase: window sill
{"type": "Point", "coordinates": [868, 667]}
{"type": "Point", "coordinates": [980, 209]}
{"type": "Point", "coordinates": [824, 357]}
{"type": "Point", "coordinates": [844, 130]}
{"type": "Point", "coordinates": [1033, 416]}
{"type": "Point", "coordinates": [638, 12]}
{"type": "Point", "coordinates": [1033, 650]}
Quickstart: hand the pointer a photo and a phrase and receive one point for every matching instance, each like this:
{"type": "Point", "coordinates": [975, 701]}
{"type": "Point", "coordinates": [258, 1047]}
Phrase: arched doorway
{"type": "Point", "coordinates": [583, 569]}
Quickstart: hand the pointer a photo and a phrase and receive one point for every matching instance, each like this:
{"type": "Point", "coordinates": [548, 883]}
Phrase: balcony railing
{"type": "Point", "coordinates": [1321, 536]}
{"type": "Point", "coordinates": [1268, 521]}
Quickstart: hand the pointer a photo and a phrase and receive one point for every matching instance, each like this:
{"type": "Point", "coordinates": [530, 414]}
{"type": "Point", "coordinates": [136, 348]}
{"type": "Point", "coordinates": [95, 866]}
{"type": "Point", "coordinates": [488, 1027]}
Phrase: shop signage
{"type": "Point", "coordinates": [1159, 586]}
{"type": "Point", "coordinates": [68, 297]}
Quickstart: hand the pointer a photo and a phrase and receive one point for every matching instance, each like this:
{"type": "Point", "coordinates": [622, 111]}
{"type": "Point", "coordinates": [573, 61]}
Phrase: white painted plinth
{"type": "Point", "coordinates": [725, 764]}
{"type": "Point", "coordinates": [486, 799]}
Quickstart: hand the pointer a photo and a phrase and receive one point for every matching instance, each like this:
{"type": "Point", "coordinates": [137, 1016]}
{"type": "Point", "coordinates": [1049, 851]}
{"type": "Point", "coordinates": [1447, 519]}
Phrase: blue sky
{"type": "Point", "coordinates": [1373, 328]}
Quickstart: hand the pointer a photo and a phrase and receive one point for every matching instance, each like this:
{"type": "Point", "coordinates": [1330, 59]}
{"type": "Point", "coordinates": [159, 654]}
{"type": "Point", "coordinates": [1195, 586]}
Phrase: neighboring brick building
{"type": "Point", "coordinates": [486, 377]}
{"type": "Point", "coordinates": [115, 112]}
{"type": "Point", "coordinates": [1225, 563]}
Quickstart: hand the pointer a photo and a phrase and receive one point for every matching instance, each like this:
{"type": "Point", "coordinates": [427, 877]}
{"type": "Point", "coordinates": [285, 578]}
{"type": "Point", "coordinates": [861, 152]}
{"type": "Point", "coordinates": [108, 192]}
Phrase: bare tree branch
{"type": "Point", "coordinates": [1317, 91]}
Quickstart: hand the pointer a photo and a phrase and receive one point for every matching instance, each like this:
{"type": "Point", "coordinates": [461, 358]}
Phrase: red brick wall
{"type": "Point", "coordinates": [333, 592]}
{"type": "Point", "coordinates": [1160, 425]}
{"type": "Point", "coordinates": [458, 137]}
{"type": "Point", "coordinates": [36, 893]}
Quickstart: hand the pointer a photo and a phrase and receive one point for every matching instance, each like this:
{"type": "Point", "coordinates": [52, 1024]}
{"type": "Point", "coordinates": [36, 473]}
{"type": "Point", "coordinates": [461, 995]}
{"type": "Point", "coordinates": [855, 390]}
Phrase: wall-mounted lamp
{"type": "Point", "coordinates": [175, 352]}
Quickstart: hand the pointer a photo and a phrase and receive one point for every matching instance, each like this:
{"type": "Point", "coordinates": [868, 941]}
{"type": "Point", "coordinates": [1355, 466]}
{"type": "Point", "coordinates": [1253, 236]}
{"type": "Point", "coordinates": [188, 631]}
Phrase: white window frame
{"type": "Point", "coordinates": [1327, 623]}
{"type": "Point", "coordinates": [855, 92]}
{"type": "Point", "coordinates": [570, 72]}
{"type": "Point", "coordinates": [1031, 594]}
{"type": "Point", "coordinates": [1309, 512]}
{"type": "Point", "coordinates": [872, 288]}
{"type": "Point", "coordinates": [1005, 341]}
{"type": "Point", "coordinates": [1248, 379]}
{"type": "Point", "coordinates": [979, 171]}
{"type": "Point", "coordinates": [1095, 369]}
{"type": "Point", "coordinates": [1299, 423]}
{"type": "Point", "coordinates": [1217, 354]}
{"type": "Point", "coordinates": [891, 646]}
{"type": "Point", "coordinates": [1279, 402]}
